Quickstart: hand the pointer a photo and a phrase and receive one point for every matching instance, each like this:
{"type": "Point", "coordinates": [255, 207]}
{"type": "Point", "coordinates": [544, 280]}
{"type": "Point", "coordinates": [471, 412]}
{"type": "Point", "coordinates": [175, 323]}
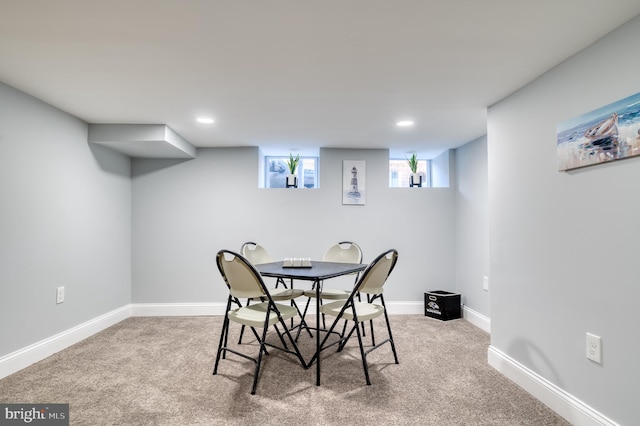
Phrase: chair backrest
{"type": "Point", "coordinates": [343, 252]}
{"type": "Point", "coordinates": [242, 278]}
{"type": "Point", "coordinates": [376, 274]}
{"type": "Point", "coordinates": [255, 253]}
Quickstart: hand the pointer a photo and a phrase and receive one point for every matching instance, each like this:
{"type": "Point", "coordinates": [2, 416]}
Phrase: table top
{"type": "Point", "coordinates": [317, 271]}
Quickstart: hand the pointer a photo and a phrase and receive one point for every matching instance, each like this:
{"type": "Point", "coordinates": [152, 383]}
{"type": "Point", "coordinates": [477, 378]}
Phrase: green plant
{"type": "Point", "coordinates": [413, 163]}
{"type": "Point", "coordinates": [292, 163]}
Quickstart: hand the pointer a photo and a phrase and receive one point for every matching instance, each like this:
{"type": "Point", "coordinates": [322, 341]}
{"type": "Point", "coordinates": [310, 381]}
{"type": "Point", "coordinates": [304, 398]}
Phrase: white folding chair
{"type": "Point", "coordinates": [371, 283]}
{"type": "Point", "coordinates": [342, 252]}
{"type": "Point", "coordinates": [257, 254]}
{"type": "Point", "coordinates": [244, 281]}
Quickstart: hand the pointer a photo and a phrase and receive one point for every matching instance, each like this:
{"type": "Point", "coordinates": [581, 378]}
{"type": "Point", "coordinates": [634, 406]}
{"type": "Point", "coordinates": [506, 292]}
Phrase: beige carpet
{"type": "Point", "coordinates": [157, 371]}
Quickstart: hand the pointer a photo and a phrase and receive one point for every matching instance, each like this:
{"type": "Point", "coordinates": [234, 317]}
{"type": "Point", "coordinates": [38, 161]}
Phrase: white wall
{"type": "Point", "coordinates": [564, 246]}
{"type": "Point", "coordinates": [65, 221]}
{"type": "Point", "coordinates": [442, 168]}
{"type": "Point", "coordinates": [185, 211]}
{"type": "Point", "coordinates": [472, 224]}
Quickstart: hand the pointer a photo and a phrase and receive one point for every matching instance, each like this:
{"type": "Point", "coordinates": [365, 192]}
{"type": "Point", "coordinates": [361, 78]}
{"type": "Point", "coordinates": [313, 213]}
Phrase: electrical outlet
{"type": "Point", "coordinates": [594, 348]}
{"type": "Point", "coordinates": [59, 295]}
{"type": "Point", "coordinates": [485, 283]}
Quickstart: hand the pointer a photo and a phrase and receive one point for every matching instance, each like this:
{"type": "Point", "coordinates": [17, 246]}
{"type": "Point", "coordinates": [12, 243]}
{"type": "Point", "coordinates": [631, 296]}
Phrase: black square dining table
{"type": "Point", "coordinates": [317, 273]}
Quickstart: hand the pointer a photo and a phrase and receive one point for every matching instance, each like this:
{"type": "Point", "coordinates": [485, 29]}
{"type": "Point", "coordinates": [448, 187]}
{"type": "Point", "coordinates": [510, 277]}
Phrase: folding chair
{"type": "Point", "coordinates": [257, 254]}
{"type": "Point", "coordinates": [244, 281]}
{"type": "Point", "coordinates": [371, 283]}
{"type": "Point", "coordinates": [342, 252]}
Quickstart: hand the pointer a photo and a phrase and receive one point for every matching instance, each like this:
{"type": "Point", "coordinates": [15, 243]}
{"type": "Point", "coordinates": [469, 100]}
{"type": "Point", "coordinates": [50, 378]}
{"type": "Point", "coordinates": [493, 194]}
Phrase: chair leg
{"type": "Point", "coordinates": [344, 328]}
{"type": "Point", "coordinates": [241, 334]}
{"type": "Point", "coordinates": [255, 333]}
{"type": "Point", "coordinates": [303, 323]}
{"type": "Point", "coordinates": [364, 333]}
{"type": "Point", "coordinates": [259, 360]}
{"type": "Point", "coordinates": [324, 324]}
{"type": "Point", "coordinates": [226, 340]}
{"type": "Point", "coordinates": [393, 345]}
{"type": "Point", "coordinates": [242, 328]}
{"type": "Point", "coordinates": [297, 351]}
{"type": "Point", "coordinates": [280, 335]}
{"type": "Point", "coordinates": [373, 337]}
{"type": "Point", "coordinates": [302, 320]}
{"type": "Point", "coordinates": [264, 349]}
{"type": "Point", "coordinates": [362, 354]}
{"type": "Point", "coordinates": [281, 281]}
{"type": "Point", "coordinates": [321, 346]}
{"type": "Point", "coordinates": [224, 334]}
{"type": "Point", "coordinates": [222, 343]}
{"type": "Point", "coordinates": [344, 340]}
{"type": "Point", "coordinates": [370, 299]}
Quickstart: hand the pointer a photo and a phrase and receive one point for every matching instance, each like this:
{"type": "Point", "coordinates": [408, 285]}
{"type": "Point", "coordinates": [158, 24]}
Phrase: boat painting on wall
{"type": "Point", "coordinates": [609, 133]}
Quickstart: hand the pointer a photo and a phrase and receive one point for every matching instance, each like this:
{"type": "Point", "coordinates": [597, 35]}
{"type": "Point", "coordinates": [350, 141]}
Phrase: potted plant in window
{"type": "Point", "coordinates": [416, 178]}
{"type": "Point", "coordinates": [292, 178]}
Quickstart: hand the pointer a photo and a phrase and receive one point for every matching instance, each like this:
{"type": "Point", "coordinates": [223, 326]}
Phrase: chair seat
{"type": "Point", "coordinates": [329, 294]}
{"type": "Point", "coordinates": [365, 311]}
{"type": "Point", "coordinates": [285, 293]}
{"type": "Point", "coordinates": [254, 315]}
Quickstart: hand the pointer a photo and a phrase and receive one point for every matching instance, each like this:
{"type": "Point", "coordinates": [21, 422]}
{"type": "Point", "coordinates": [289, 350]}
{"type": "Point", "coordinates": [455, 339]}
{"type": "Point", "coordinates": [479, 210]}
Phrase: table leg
{"type": "Point", "coordinates": [318, 332]}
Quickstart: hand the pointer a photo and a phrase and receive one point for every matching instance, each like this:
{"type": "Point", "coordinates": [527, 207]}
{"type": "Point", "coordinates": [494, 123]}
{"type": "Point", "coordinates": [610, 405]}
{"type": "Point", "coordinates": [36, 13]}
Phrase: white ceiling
{"type": "Point", "coordinates": [294, 73]}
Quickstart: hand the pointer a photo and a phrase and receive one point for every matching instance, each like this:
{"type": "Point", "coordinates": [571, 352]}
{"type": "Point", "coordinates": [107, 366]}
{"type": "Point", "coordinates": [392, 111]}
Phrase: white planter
{"type": "Point", "coordinates": [416, 178]}
{"type": "Point", "coordinates": [292, 181]}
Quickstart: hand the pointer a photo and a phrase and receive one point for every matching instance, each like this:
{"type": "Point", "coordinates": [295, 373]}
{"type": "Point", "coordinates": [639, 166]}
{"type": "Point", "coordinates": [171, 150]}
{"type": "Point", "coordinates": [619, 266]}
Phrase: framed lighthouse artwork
{"type": "Point", "coordinates": [354, 188]}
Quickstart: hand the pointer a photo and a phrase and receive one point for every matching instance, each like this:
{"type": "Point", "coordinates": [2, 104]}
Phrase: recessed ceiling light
{"type": "Point", "coordinates": [205, 120]}
{"type": "Point", "coordinates": [405, 123]}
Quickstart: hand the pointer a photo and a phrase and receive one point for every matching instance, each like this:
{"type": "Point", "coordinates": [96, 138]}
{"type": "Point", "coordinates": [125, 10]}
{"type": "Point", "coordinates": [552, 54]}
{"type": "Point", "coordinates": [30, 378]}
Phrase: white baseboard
{"type": "Point", "coordinates": [181, 309]}
{"type": "Point", "coordinates": [199, 309]}
{"type": "Point", "coordinates": [477, 319]}
{"type": "Point", "coordinates": [176, 309]}
{"type": "Point", "coordinates": [572, 409]}
{"type": "Point", "coordinates": [405, 308]}
{"type": "Point", "coordinates": [38, 351]}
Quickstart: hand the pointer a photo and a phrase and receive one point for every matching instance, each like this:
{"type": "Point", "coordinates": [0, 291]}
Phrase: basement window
{"type": "Point", "coordinates": [276, 171]}
{"type": "Point", "coordinates": [400, 173]}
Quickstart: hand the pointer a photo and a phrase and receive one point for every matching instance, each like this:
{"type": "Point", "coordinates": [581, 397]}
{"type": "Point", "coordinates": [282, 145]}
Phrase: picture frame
{"type": "Point", "coordinates": [606, 134]}
{"type": "Point", "coordinates": [354, 182]}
